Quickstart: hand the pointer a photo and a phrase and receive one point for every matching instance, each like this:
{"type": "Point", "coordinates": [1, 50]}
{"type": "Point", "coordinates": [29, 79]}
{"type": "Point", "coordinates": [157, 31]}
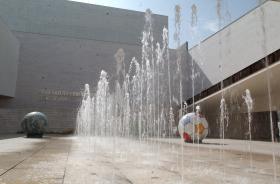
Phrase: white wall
{"type": "Point", "coordinates": [9, 53]}
{"type": "Point", "coordinates": [240, 44]}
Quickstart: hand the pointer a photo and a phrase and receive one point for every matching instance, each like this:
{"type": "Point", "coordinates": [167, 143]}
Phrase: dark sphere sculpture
{"type": "Point", "coordinates": [34, 124]}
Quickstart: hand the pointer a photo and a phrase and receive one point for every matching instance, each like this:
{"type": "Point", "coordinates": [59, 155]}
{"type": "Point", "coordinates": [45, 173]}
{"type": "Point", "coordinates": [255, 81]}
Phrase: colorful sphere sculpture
{"type": "Point", "coordinates": [34, 124]}
{"type": "Point", "coordinates": [193, 127]}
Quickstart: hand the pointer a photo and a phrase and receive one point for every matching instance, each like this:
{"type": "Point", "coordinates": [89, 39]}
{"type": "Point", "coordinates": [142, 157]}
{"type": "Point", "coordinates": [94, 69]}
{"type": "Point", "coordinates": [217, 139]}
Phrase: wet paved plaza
{"type": "Point", "coordinates": [69, 159]}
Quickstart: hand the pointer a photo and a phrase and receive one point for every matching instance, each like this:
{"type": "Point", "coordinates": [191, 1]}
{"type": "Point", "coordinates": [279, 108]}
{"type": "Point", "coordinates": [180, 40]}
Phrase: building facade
{"type": "Point", "coordinates": [9, 52]}
{"type": "Point", "coordinates": [63, 45]}
{"type": "Point", "coordinates": [243, 55]}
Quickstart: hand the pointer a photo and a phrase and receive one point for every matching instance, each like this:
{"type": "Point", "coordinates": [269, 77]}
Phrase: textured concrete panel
{"type": "Point", "coordinates": [52, 73]}
{"type": "Point", "coordinates": [78, 20]}
{"type": "Point", "coordinates": [64, 45]}
{"type": "Point", "coordinates": [193, 78]}
{"type": "Point", "coordinates": [9, 53]}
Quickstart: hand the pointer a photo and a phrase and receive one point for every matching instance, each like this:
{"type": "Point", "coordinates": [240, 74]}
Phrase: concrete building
{"type": "Point", "coordinates": [9, 52]}
{"type": "Point", "coordinates": [50, 48]}
{"type": "Point", "coordinates": [63, 45]}
{"type": "Point", "coordinates": [243, 55]}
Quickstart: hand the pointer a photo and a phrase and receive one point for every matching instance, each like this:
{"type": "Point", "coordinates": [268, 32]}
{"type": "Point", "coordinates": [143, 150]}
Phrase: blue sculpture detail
{"type": "Point", "coordinates": [34, 124]}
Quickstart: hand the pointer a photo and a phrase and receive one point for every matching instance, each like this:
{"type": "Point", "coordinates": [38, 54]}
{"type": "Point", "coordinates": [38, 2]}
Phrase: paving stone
{"type": "Point", "coordinates": [69, 160]}
{"type": "Point", "coordinates": [32, 176]}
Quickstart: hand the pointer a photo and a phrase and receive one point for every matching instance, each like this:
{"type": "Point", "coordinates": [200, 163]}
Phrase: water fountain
{"type": "Point", "coordinates": [141, 104]}
{"type": "Point", "coordinates": [249, 104]}
{"type": "Point", "coordinates": [138, 114]}
{"type": "Point", "coordinates": [268, 82]}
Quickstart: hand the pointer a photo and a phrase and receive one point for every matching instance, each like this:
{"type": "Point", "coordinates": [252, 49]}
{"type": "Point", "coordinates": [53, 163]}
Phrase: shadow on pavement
{"type": "Point", "coordinates": [10, 136]}
{"type": "Point", "coordinates": [209, 143]}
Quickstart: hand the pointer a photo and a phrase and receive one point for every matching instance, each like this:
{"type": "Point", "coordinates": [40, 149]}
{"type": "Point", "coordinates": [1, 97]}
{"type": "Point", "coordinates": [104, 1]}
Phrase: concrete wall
{"type": "Point", "coordinates": [9, 53]}
{"type": "Point", "coordinates": [242, 43]}
{"type": "Point", "coordinates": [63, 46]}
{"type": "Point", "coordinates": [77, 20]}
{"type": "Point", "coordinates": [239, 44]}
{"type": "Point", "coordinates": [237, 109]}
{"type": "Point", "coordinates": [52, 73]}
{"type": "Point", "coordinates": [189, 68]}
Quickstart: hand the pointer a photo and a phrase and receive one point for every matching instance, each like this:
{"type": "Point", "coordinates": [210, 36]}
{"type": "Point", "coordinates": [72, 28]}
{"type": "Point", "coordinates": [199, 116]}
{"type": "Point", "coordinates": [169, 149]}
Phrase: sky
{"type": "Point", "coordinates": [208, 21]}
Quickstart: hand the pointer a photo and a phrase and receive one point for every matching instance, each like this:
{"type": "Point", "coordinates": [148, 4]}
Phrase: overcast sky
{"type": "Point", "coordinates": [206, 13]}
